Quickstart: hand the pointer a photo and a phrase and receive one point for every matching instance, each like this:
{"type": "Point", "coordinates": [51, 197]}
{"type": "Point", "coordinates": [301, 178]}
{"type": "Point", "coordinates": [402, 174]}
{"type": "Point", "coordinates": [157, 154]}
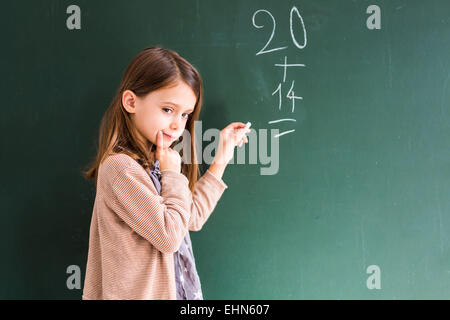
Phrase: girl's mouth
{"type": "Point", "coordinates": [168, 136]}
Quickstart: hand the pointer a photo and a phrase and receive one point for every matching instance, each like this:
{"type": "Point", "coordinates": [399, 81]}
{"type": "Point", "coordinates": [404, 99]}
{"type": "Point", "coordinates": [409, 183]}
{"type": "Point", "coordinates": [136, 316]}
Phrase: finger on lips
{"type": "Point", "coordinates": [158, 139]}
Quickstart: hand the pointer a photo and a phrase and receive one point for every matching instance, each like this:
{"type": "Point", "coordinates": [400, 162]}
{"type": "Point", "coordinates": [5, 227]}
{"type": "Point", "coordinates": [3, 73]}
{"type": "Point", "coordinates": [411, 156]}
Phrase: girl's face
{"type": "Point", "coordinates": [166, 109]}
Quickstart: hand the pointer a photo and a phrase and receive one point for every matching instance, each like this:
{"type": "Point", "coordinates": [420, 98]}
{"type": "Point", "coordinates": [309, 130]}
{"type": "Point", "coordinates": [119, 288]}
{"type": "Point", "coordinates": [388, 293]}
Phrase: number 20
{"type": "Point", "coordinates": [294, 9]}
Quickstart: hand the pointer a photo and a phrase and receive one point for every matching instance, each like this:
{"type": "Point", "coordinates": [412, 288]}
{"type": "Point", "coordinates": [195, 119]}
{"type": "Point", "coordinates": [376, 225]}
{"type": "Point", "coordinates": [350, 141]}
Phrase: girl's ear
{"type": "Point", "coordinates": [128, 101]}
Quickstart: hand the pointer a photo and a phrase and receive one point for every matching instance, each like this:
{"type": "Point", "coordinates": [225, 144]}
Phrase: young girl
{"type": "Point", "coordinates": [147, 200]}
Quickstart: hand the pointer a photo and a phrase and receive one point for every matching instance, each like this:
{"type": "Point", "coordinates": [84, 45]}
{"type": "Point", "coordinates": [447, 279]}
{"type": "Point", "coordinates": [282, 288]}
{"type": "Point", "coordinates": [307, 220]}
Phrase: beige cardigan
{"type": "Point", "coordinates": [135, 231]}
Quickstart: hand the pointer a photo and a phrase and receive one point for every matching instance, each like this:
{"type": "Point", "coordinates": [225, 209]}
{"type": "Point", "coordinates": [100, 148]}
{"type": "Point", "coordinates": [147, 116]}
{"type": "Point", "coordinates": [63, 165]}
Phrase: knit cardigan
{"type": "Point", "coordinates": [135, 231]}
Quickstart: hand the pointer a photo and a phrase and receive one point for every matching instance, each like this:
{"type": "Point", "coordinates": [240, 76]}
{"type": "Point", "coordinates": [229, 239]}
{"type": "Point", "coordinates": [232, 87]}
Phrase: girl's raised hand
{"type": "Point", "coordinates": [168, 158]}
{"type": "Point", "coordinates": [231, 136]}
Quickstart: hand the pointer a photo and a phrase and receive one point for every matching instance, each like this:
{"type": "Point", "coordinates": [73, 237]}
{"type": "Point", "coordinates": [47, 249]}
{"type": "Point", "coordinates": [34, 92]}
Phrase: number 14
{"type": "Point", "coordinates": [290, 95]}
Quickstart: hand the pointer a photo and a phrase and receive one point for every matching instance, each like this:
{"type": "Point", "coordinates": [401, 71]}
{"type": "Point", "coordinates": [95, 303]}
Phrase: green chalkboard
{"type": "Point", "coordinates": [358, 204]}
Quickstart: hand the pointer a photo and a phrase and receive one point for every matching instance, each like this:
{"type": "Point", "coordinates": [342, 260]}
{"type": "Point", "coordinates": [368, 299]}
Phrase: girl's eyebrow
{"type": "Point", "coordinates": [177, 105]}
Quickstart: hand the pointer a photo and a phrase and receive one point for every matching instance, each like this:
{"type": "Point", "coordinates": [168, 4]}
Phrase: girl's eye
{"type": "Point", "coordinates": [169, 110]}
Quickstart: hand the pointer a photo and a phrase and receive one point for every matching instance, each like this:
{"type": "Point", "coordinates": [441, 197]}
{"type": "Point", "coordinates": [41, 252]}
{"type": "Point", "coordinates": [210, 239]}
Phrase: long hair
{"type": "Point", "coordinates": [152, 69]}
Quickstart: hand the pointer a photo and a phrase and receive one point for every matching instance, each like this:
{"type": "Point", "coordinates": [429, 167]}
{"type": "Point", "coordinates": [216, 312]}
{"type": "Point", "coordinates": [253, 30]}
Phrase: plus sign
{"type": "Point", "coordinates": [285, 65]}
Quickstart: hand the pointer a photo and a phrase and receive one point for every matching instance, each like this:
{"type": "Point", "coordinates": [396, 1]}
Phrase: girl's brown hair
{"type": "Point", "coordinates": [152, 69]}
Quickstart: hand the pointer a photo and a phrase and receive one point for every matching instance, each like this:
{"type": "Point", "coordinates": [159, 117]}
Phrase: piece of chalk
{"type": "Point", "coordinates": [247, 126]}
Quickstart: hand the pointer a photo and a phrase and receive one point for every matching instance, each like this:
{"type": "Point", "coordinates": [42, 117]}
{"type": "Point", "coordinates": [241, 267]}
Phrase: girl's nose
{"type": "Point", "coordinates": [176, 123]}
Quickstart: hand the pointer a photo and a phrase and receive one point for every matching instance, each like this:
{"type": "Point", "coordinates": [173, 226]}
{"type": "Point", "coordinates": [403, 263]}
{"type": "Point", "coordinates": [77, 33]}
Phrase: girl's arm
{"type": "Point", "coordinates": [217, 169]}
{"type": "Point", "coordinates": [231, 136]}
{"type": "Point", "coordinates": [209, 188]}
{"type": "Point", "coordinates": [207, 192]}
{"type": "Point", "coordinates": [129, 191]}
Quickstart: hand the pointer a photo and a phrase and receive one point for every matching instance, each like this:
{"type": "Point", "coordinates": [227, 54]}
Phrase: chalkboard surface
{"type": "Point", "coordinates": [357, 204]}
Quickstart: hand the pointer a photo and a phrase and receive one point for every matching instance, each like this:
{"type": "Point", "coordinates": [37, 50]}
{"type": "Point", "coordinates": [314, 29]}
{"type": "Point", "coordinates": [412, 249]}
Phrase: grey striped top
{"type": "Point", "coordinates": [187, 281]}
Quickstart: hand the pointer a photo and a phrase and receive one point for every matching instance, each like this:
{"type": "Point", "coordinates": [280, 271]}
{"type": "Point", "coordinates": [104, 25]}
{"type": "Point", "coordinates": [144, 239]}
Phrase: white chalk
{"type": "Point", "coordinates": [247, 126]}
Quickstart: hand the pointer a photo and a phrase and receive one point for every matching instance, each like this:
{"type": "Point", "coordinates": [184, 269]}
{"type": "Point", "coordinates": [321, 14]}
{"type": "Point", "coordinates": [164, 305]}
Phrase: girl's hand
{"type": "Point", "coordinates": [168, 158]}
{"type": "Point", "coordinates": [231, 136]}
